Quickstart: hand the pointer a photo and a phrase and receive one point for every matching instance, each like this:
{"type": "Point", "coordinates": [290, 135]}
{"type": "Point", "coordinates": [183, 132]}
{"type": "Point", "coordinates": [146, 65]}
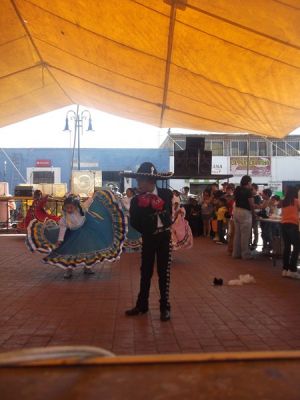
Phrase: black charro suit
{"type": "Point", "coordinates": [156, 243]}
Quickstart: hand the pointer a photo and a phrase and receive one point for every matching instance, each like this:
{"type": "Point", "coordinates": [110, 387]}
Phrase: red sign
{"type": "Point", "coordinates": [43, 163]}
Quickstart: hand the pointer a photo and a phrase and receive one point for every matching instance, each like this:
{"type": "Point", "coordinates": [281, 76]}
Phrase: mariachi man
{"type": "Point", "coordinates": [151, 215]}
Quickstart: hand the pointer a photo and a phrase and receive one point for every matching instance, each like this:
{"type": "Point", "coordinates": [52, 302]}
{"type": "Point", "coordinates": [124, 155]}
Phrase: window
{"type": "Point", "coordinates": [286, 148]}
{"type": "Point", "coordinates": [253, 148]}
{"type": "Point", "coordinates": [43, 177]}
{"type": "Point", "coordinates": [257, 148]}
{"type": "Point", "coordinates": [207, 145]}
{"type": "Point", "coordinates": [179, 144]}
{"type": "Point", "coordinates": [234, 148]}
{"type": "Point", "coordinates": [217, 148]}
{"type": "Point", "coordinates": [293, 148]}
{"type": "Point", "coordinates": [278, 149]}
{"type": "Point", "coordinates": [243, 148]}
{"type": "Point", "coordinates": [239, 148]}
{"type": "Point", "coordinates": [262, 149]}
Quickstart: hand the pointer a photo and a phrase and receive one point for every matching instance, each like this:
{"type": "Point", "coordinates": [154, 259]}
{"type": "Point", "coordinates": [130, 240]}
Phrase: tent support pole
{"type": "Point", "coordinates": [168, 59]}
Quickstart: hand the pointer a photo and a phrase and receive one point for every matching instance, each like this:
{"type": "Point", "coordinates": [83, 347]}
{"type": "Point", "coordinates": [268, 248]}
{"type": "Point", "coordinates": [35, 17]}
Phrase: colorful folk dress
{"type": "Point", "coordinates": [37, 212]}
{"type": "Point", "coordinates": [182, 237]}
{"type": "Point", "coordinates": [133, 241]}
{"type": "Point", "coordinates": [95, 237]}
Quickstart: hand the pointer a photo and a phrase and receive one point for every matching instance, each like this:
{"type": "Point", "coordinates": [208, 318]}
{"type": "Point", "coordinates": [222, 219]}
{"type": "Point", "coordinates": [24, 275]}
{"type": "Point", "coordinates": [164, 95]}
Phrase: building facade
{"type": "Point", "coordinates": [269, 162]}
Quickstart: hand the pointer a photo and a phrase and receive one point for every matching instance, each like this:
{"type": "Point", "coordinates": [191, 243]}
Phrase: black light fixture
{"type": "Point", "coordinates": [79, 119]}
{"type": "Point", "coordinates": [90, 126]}
{"type": "Point", "coordinates": [66, 125]}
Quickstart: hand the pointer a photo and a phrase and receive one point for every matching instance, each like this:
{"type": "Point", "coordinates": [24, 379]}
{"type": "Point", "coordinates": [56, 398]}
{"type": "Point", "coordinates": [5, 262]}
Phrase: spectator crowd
{"type": "Point", "coordinates": [240, 216]}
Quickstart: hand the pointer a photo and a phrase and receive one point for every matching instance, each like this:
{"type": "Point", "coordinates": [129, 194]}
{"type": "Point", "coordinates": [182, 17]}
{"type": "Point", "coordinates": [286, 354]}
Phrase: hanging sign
{"type": "Point", "coordinates": [43, 163]}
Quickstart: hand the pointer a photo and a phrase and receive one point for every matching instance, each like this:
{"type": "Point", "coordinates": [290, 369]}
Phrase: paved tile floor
{"type": "Point", "coordinates": [39, 308]}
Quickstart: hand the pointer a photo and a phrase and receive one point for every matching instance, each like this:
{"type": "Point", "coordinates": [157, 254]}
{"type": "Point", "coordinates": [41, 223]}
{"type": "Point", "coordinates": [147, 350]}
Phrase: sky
{"type": "Point", "coordinates": [110, 131]}
{"type": "Point", "coordinates": [46, 130]}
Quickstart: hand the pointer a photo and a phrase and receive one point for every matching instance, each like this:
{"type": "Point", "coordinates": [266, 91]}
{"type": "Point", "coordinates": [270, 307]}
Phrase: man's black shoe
{"type": "Point", "coordinates": [135, 311]}
{"type": "Point", "coordinates": [88, 271]}
{"type": "Point", "coordinates": [165, 315]}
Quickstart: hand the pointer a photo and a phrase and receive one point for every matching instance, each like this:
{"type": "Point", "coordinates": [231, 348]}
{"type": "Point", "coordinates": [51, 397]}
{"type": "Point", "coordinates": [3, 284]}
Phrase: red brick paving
{"type": "Point", "coordinates": [39, 308]}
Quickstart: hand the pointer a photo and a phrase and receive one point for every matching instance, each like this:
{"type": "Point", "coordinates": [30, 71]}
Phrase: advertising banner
{"type": "Point", "coordinates": [219, 165]}
{"type": "Point", "coordinates": [258, 166]}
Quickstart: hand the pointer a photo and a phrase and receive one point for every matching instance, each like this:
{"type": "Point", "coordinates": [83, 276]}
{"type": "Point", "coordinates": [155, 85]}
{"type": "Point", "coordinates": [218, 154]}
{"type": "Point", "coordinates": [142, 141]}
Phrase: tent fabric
{"type": "Point", "coordinates": [214, 65]}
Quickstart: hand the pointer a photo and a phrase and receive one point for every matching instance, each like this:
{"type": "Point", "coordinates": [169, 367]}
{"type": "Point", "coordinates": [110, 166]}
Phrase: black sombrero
{"type": "Point", "coordinates": [147, 170]}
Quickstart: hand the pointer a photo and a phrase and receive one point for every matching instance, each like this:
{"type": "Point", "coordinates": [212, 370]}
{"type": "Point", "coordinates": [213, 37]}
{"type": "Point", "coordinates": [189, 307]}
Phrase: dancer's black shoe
{"type": "Point", "coordinates": [88, 271]}
{"type": "Point", "coordinates": [135, 311]}
{"type": "Point", "coordinates": [68, 273]}
{"type": "Point", "coordinates": [165, 315]}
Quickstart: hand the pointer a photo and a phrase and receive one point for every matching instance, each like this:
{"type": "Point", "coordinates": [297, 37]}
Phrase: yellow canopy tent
{"type": "Point", "coordinates": [216, 65]}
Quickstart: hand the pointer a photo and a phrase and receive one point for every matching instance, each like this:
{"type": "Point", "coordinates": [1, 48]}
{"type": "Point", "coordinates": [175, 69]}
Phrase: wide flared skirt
{"type": "Point", "coordinates": [133, 241]}
{"type": "Point", "coordinates": [182, 237]}
{"type": "Point", "coordinates": [99, 239]}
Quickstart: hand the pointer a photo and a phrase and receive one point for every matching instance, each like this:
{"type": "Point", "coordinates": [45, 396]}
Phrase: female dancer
{"type": "Point", "coordinates": [82, 238]}
{"type": "Point", "coordinates": [182, 237]}
{"type": "Point", "coordinates": [37, 211]}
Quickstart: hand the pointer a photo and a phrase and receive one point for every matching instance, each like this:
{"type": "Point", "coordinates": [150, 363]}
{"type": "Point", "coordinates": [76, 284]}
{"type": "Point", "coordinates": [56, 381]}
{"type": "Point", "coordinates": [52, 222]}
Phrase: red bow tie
{"type": "Point", "coordinates": [150, 200]}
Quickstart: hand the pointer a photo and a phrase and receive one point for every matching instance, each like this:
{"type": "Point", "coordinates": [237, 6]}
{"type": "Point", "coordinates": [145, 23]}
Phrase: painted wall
{"type": "Point", "coordinates": [98, 159]}
{"type": "Point", "coordinates": [285, 168]}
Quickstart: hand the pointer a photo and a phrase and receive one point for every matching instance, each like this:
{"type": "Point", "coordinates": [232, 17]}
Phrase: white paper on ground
{"type": "Point", "coordinates": [235, 282]}
{"type": "Point", "coordinates": [247, 278]}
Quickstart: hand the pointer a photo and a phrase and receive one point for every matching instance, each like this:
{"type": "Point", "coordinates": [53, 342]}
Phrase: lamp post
{"type": "Point", "coordinates": [78, 118]}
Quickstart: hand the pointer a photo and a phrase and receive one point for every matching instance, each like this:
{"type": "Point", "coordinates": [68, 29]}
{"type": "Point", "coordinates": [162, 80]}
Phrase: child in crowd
{"type": "Point", "coordinates": [290, 232]}
{"type": "Point", "coordinates": [222, 214]}
{"type": "Point", "coordinates": [229, 197]}
{"type": "Point", "coordinates": [214, 187]}
{"type": "Point", "coordinates": [256, 196]}
{"type": "Point", "coordinates": [274, 209]}
{"type": "Point", "coordinates": [206, 213]}
{"type": "Point", "coordinates": [82, 238]}
{"type": "Point", "coordinates": [224, 187]}
{"type": "Point", "coordinates": [266, 202]}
